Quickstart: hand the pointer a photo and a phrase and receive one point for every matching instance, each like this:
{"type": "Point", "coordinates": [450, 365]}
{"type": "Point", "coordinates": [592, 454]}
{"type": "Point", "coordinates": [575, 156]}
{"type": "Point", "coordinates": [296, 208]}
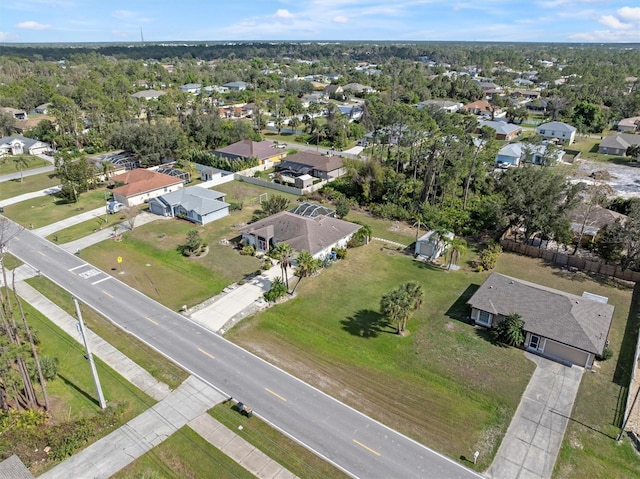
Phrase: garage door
{"type": "Point", "coordinates": [564, 353]}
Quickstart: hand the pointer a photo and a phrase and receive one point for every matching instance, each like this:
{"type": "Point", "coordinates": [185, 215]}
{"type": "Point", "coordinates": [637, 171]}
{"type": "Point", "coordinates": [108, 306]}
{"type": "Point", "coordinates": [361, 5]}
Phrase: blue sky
{"type": "Point", "coordinates": [416, 20]}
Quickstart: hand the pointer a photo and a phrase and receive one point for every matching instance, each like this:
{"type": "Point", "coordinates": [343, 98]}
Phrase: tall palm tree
{"type": "Point", "coordinates": [457, 248]}
{"type": "Point", "coordinates": [306, 265]}
{"type": "Point", "coordinates": [283, 253]}
{"type": "Point", "coordinates": [21, 163]}
{"type": "Point", "coordinates": [399, 305]}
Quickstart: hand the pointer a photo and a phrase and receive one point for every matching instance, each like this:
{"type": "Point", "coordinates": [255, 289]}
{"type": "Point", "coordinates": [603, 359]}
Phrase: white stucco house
{"type": "Point", "coordinates": [557, 130]}
{"type": "Point", "coordinates": [20, 145]}
{"type": "Point", "coordinates": [196, 204]}
{"type": "Point", "coordinates": [141, 185]}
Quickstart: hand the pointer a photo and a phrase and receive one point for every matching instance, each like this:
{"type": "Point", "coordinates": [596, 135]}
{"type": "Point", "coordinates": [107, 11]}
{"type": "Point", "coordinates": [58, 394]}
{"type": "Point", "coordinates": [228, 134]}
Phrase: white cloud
{"type": "Point", "coordinates": [283, 13]}
{"type": "Point", "coordinates": [607, 36]}
{"type": "Point", "coordinates": [31, 25]}
{"type": "Point", "coordinates": [123, 14]}
{"type": "Point", "coordinates": [339, 19]}
{"type": "Point", "coordinates": [119, 34]}
{"type": "Point", "coordinates": [610, 21]}
{"type": "Point", "coordinates": [630, 14]}
{"type": "Point", "coordinates": [7, 37]}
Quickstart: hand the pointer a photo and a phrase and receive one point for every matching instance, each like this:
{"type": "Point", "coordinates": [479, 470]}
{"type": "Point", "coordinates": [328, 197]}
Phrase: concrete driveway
{"type": "Point", "coordinates": [531, 445]}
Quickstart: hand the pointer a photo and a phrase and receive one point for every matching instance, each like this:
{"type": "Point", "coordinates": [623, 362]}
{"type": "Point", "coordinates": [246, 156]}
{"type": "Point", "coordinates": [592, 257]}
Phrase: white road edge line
{"type": "Point", "coordinates": [101, 280]}
{"type": "Point", "coordinates": [78, 267]}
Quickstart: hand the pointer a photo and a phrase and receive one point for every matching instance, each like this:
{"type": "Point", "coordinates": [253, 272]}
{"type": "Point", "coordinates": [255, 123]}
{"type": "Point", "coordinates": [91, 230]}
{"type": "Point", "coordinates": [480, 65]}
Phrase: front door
{"type": "Point", "coordinates": [534, 342]}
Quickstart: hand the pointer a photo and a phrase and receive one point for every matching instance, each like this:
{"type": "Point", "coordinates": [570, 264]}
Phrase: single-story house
{"type": "Point", "coordinates": [316, 235]}
{"type": "Point", "coordinates": [590, 219]}
{"type": "Point", "coordinates": [20, 145]}
{"type": "Point", "coordinates": [193, 88]}
{"type": "Point", "coordinates": [560, 326]}
{"type": "Point", "coordinates": [431, 245]}
{"type": "Point", "coordinates": [446, 105]}
{"type": "Point", "coordinates": [358, 88]}
{"type": "Point", "coordinates": [629, 124]}
{"type": "Point", "coordinates": [333, 91]}
{"type": "Point", "coordinates": [43, 109]}
{"type": "Point", "coordinates": [15, 113]}
{"type": "Point", "coordinates": [504, 131]}
{"type": "Point", "coordinates": [236, 85]}
{"type": "Point", "coordinates": [515, 153]}
{"type": "Point", "coordinates": [618, 144]}
{"type": "Point", "coordinates": [326, 167]}
{"type": "Point", "coordinates": [557, 130]}
{"type": "Point", "coordinates": [196, 204]}
{"type": "Point", "coordinates": [141, 185]}
{"type": "Point", "coordinates": [481, 107]}
{"type": "Point", "coordinates": [148, 94]}
{"type": "Point", "coordinates": [262, 150]}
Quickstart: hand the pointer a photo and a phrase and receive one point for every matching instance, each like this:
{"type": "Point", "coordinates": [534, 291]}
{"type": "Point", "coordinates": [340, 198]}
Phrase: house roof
{"type": "Point", "coordinates": [197, 199]}
{"type": "Point", "coordinates": [26, 142]}
{"type": "Point", "coordinates": [356, 87]}
{"type": "Point", "coordinates": [262, 150]}
{"type": "Point", "coordinates": [313, 161]}
{"type": "Point", "coordinates": [140, 181]}
{"type": "Point", "coordinates": [620, 141]}
{"type": "Point", "coordinates": [557, 126]}
{"type": "Point", "coordinates": [483, 105]}
{"type": "Point", "coordinates": [569, 319]}
{"type": "Point", "coordinates": [501, 127]}
{"type": "Point", "coordinates": [148, 94]}
{"type": "Point", "coordinates": [590, 218]}
{"type": "Point", "coordinates": [302, 233]}
{"type": "Point", "coordinates": [630, 122]}
{"type": "Point", "coordinates": [236, 84]}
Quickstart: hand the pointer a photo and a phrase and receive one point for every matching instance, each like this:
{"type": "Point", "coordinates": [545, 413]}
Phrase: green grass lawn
{"type": "Point", "coordinates": [444, 383]}
{"type": "Point", "coordinates": [153, 362]}
{"type": "Point", "coordinates": [45, 210]}
{"type": "Point", "coordinates": [8, 165]}
{"type": "Point", "coordinates": [289, 454]}
{"type": "Point", "coordinates": [9, 189]}
{"type": "Point", "coordinates": [184, 455]}
{"type": "Point", "coordinates": [83, 229]}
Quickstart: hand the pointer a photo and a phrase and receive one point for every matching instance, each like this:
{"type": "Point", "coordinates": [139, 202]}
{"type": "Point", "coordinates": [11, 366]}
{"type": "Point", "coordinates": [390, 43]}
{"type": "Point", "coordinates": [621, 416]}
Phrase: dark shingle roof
{"type": "Point", "coordinates": [262, 150]}
{"type": "Point", "coordinates": [13, 468]}
{"type": "Point", "coordinates": [313, 160]}
{"type": "Point", "coordinates": [563, 317]}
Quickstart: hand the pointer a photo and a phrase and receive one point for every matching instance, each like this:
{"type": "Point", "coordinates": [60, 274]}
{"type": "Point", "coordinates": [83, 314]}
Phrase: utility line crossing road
{"type": "Point", "coordinates": [354, 442]}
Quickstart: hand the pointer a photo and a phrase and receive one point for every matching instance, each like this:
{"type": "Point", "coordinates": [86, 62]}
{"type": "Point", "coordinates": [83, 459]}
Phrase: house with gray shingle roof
{"type": "Point", "coordinates": [21, 145]}
{"type": "Point", "coordinates": [557, 130]}
{"type": "Point", "coordinates": [148, 94]}
{"type": "Point", "coordinates": [195, 204]}
{"type": "Point", "coordinates": [515, 153]}
{"type": "Point", "coordinates": [618, 144]}
{"type": "Point", "coordinates": [504, 131]}
{"type": "Point", "coordinates": [561, 326]}
{"type": "Point", "coordinates": [317, 235]}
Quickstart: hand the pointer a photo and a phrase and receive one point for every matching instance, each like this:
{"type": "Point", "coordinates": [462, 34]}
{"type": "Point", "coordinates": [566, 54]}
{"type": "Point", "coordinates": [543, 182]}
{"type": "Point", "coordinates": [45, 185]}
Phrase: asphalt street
{"type": "Point", "coordinates": [352, 441]}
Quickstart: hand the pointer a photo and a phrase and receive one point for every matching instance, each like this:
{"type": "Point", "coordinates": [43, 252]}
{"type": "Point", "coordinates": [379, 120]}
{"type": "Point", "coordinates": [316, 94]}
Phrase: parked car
{"type": "Point", "coordinates": [114, 207]}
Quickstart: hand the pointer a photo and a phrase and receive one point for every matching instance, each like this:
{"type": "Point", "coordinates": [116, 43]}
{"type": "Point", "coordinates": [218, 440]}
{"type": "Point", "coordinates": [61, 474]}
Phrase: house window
{"type": "Point", "coordinates": [534, 342]}
{"type": "Point", "coordinates": [484, 318]}
{"type": "Point", "coordinates": [262, 244]}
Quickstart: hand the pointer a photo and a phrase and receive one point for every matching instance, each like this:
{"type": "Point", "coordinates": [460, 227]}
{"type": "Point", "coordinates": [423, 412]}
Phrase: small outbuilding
{"type": "Point", "coordinates": [432, 244]}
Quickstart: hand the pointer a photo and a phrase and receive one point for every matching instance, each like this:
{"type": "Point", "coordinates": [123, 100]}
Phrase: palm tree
{"type": "Point", "coordinates": [399, 305]}
{"type": "Point", "coordinates": [306, 265]}
{"type": "Point", "coordinates": [510, 330]}
{"type": "Point", "coordinates": [21, 163]}
{"type": "Point", "coordinates": [283, 253]}
{"type": "Point", "coordinates": [107, 169]}
{"type": "Point", "coordinates": [457, 247]}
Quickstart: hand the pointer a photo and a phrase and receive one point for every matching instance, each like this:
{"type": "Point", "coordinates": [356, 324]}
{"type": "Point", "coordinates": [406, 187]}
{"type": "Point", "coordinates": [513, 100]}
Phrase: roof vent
{"type": "Point", "coordinates": [510, 282]}
{"type": "Point", "coordinates": [490, 287]}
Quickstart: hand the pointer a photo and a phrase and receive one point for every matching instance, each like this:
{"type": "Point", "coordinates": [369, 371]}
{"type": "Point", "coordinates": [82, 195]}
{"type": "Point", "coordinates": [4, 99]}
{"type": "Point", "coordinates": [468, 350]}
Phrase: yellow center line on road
{"type": "Point", "coordinates": [107, 293]}
{"type": "Point", "coordinates": [151, 320]}
{"type": "Point", "coordinates": [367, 448]}
{"type": "Point", "coordinates": [206, 353]}
{"type": "Point", "coordinates": [275, 394]}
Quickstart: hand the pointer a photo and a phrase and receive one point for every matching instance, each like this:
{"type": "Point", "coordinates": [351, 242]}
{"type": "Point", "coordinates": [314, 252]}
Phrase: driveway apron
{"type": "Point", "coordinates": [531, 445]}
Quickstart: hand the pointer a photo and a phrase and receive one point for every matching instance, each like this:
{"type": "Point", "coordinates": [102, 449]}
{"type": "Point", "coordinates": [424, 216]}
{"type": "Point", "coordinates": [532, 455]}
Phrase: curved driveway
{"type": "Point", "coordinates": [352, 441]}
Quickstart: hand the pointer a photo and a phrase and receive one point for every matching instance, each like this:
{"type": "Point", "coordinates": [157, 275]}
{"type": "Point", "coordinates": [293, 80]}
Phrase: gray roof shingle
{"type": "Point", "coordinates": [563, 317]}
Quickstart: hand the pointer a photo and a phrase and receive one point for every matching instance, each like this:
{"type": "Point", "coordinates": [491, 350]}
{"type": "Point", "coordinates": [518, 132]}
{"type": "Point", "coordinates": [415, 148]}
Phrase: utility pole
{"type": "Point", "coordinates": [624, 423]}
{"type": "Point", "coordinates": [94, 372]}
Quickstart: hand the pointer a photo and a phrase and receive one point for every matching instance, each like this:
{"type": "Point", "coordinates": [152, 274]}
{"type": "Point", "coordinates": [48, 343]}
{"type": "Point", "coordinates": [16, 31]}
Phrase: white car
{"type": "Point", "coordinates": [114, 207]}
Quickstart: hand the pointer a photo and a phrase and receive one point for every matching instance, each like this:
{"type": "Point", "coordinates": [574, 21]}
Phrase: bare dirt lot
{"type": "Point", "coordinates": [624, 178]}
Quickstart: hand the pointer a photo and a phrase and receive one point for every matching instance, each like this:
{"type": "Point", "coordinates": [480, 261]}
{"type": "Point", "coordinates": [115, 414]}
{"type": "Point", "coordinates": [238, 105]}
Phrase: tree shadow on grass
{"type": "Point", "coordinates": [624, 366]}
{"type": "Point", "coordinates": [366, 323]}
{"type": "Point", "coordinates": [428, 266]}
{"type": "Point", "coordinates": [79, 390]}
{"type": "Point", "coordinates": [460, 310]}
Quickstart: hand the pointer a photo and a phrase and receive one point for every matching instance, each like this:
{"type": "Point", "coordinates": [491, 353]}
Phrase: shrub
{"type": "Point", "coordinates": [489, 256]}
{"type": "Point", "coordinates": [341, 253]}
{"type": "Point", "coordinates": [277, 291]}
{"type": "Point", "coordinates": [510, 330]}
{"type": "Point", "coordinates": [607, 354]}
{"type": "Point", "coordinates": [248, 250]}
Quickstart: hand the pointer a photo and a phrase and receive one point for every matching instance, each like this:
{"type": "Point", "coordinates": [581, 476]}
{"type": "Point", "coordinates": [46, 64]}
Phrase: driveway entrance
{"type": "Point", "coordinates": [531, 445]}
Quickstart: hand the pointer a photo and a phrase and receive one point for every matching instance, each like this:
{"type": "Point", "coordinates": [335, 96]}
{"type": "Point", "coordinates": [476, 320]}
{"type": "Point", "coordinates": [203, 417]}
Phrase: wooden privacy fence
{"type": "Point", "coordinates": [570, 261]}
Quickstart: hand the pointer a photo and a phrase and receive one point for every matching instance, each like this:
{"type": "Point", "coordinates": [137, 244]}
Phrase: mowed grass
{"type": "Point", "coordinates": [184, 455]}
{"type": "Point", "coordinates": [153, 362]}
{"type": "Point", "coordinates": [83, 229]}
{"type": "Point", "coordinates": [73, 393]}
{"type": "Point", "coordinates": [444, 384]}
{"type": "Point", "coordinates": [45, 210]}
{"type": "Point", "coordinates": [289, 454]}
{"type": "Point", "coordinates": [11, 188]}
{"type": "Point", "coordinates": [8, 165]}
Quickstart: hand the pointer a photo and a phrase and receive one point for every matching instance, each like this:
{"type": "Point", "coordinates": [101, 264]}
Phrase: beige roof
{"type": "Point", "coordinates": [262, 150]}
{"type": "Point", "coordinates": [569, 319]}
{"type": "Point", "coordinates": [302, 233]}
{"type": "Point", "coordinates": [140, 181]}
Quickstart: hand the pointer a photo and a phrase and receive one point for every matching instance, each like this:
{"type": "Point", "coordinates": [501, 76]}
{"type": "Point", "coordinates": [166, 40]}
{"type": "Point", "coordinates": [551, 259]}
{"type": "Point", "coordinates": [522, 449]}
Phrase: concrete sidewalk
{"type": "Point", "coordinates": [532, 443]}
{"type": "Point", "coordinates": [27, 196]}
{"type": "Point", "coordinates": [107, 456]}
{"type": "Point", "coordinates": [26, 173]}
{"type": "Point", "coordinates": [74, 220]}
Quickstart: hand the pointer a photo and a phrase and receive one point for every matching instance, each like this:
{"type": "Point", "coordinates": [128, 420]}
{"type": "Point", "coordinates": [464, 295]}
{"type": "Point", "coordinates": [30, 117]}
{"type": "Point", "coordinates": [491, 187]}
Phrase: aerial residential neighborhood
{"type": "Point", "coordinates": [354, 258]}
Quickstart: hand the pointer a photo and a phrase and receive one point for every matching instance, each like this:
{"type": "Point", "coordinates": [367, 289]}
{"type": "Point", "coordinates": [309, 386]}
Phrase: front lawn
{"type": "Point", "coordinates": [11, 188]}
{"type": "Point", "coordinates": [8, 164]}
{"type": "Point", "coordinates": [45, 210]}
{"type": "Point", "coordinates": [444, 384]}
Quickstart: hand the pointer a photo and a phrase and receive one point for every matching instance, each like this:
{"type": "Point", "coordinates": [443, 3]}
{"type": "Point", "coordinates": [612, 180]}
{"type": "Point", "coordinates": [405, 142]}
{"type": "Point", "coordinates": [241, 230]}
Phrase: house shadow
{"type": "Point", "coordinates": [459, 310]}
{"type": "Point", "coordinates": [79, 390]}
{"type": "Point", "coordinates": [366, 323]}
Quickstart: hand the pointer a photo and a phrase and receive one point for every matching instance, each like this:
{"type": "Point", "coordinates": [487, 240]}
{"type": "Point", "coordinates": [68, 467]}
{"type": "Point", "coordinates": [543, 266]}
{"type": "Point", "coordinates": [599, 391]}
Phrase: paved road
{"type": "Point", "coordinates": [357, 444]}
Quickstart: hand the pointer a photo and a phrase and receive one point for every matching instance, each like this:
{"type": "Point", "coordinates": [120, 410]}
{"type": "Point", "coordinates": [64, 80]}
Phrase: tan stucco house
{"type": "Point", "coordinates": [141, 185]}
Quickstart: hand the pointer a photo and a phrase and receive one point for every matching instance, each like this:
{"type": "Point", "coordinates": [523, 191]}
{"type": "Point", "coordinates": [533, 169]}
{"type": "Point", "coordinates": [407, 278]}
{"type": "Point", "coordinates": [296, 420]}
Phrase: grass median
{"type": "Point", "coordinates": [11, 188]}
